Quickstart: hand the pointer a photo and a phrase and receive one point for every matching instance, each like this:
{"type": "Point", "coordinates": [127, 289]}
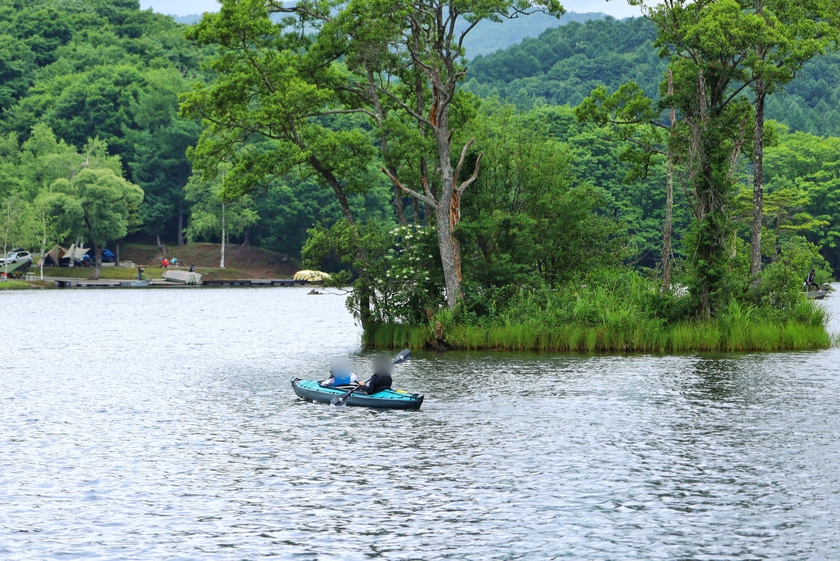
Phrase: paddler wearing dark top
{"type": "Point", "coordinates": [381, 379]}
{"type": "Point", "coordinates": [809, 280]}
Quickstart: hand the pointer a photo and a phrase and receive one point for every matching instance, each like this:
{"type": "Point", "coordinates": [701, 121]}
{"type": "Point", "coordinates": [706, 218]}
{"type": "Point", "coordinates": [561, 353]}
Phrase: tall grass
{"type": "Point", "coordinates": [680, 337]}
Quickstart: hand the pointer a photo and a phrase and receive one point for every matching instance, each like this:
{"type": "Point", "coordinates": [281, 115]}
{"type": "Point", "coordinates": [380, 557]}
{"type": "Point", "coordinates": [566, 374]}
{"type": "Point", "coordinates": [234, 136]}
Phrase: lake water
{"type": "Point", "coordinates": [161, 424]}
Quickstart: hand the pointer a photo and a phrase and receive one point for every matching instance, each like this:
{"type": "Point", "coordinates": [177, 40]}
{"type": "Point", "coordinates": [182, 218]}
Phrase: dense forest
{"type": "Point", "coordinates": [562, 65]}
{"type": "Point", "coordinates": [345, 145]}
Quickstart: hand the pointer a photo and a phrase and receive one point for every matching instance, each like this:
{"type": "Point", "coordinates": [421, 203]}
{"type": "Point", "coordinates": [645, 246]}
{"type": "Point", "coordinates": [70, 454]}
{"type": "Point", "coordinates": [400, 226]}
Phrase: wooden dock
{"type": "Point", "coordinates": [156, 283]}
{"type": "Point", "coordinates": [85, 283]}
{"type": "Point", "coordinates": [254, 282]}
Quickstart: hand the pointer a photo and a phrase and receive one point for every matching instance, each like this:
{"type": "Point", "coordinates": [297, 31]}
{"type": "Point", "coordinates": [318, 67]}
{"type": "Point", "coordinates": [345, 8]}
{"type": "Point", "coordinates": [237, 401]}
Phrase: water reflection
{"type": "Point", "coordinates": [161, 425]}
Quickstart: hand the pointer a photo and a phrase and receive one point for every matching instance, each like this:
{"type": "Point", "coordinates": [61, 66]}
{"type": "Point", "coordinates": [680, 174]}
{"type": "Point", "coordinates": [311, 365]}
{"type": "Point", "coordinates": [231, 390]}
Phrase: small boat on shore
{"type": "Point", "coordinates": [385, 399]}
{"type": "Point", "coordinates": [816, 294]}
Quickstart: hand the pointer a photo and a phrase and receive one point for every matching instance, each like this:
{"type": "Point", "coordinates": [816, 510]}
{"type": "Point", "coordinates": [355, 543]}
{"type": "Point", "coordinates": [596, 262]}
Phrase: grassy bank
{"type": "Point", "coordinates": [250, 262]}
{"type": "Point", "coordinates": [13, 285]}
{"type": "Point", "coordinates": [652, 338]}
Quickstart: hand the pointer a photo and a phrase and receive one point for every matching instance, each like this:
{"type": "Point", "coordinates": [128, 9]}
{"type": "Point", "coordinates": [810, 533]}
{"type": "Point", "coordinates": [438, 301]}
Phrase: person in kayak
{"type": "Point", "coordinates": [340, 375]}
{"type": "Point", "coordinates": [381, 379]}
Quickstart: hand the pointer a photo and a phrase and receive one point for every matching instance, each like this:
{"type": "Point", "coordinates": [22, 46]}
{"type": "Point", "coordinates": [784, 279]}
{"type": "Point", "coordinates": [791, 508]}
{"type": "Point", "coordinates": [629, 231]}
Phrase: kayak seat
{"type": "Point", "coordinates": [346, 388]}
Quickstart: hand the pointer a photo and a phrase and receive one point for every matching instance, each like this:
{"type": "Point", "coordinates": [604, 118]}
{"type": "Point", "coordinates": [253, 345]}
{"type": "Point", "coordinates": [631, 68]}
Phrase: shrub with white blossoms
{"type": "Point", "coordinates": [413, 281]}
{"type": "Point", "coordinates": [395, 275]}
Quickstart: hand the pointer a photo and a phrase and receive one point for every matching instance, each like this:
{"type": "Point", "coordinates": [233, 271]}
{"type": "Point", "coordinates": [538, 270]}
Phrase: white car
{"type": "Point", "coordinates": [16, 256]}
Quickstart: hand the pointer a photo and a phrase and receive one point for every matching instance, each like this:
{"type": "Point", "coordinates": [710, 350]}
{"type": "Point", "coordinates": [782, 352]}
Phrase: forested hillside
{"type": "Point", "coordinates": [106, 70]}
{"type": "Point", "coordinates": [563, 65]}
{"type": "Point", "coordinates": [98, 70]}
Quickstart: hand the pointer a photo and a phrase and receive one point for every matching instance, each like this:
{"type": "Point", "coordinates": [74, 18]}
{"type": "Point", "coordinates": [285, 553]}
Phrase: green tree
{"type": "Point", "coordinates": [795, 32]}
{"type": "Point", "coordinates": [527, 222]}
{"type": "Point", "coordinates": [214, 216]}
{"type": "Point", "coordinates": [157, 152]}
{"type": "Point", "coordinates": [706, 44]}
{"type": "Point", "coordinates": [106, 204]}
{"type": "Point", "coordinates": [424, 35]}
{"type": "Point", "coordinates": [265, 112]}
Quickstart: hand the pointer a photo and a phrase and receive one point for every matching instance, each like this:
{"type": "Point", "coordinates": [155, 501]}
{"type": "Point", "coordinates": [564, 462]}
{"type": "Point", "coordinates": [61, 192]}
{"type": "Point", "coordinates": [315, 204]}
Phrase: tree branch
{"type": "Point", "coordinates": [405, 107]}
{"type": "Point", "coordinates": [426, 199]}
{"type": "Point", "coordinates": [461, 160]}
{"type": "Point", "coordinates": [473, 177]}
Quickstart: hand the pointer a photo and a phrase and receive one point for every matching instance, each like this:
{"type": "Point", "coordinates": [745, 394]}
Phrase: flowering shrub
{"type": "Point", "coordinates": [395, 275]}
{"type": "Point", "coordinates": [412, 282]}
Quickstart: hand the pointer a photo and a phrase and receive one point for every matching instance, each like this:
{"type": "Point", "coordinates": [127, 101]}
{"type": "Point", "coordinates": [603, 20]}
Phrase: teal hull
{"type": "Point", "coordinates": [386, 399]}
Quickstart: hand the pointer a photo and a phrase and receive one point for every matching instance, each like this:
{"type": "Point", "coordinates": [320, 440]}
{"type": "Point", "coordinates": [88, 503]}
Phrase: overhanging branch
{"type": "Point", "coordinates": [411, 192]}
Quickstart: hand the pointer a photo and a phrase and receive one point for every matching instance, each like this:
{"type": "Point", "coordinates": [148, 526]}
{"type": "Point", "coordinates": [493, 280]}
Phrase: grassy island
{"type": "Point", "coordinates": [621, 313]}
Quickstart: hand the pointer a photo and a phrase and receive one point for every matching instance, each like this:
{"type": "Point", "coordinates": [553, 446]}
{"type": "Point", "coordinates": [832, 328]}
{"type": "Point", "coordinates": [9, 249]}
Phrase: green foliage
{"type": "Point", "coordinates": [106, 70]}
{"type": "Point", "coordinates": [564, 64]}
{"type": "Point", "coordinates": [617, 311]}
{"type": "Point", "coordinates": [99, 205]}
{"type": "Point", "coordinates": [395, 275]}
{"type": "Point", "coordinates": [215, 216]}
{"type": "Point", "coordinates": [527, 221]}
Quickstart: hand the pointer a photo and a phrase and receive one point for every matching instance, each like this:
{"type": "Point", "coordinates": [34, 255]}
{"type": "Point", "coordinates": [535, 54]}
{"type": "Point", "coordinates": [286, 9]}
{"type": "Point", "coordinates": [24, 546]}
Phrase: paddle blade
{"type": "Point", "coordinates": [402, 357]}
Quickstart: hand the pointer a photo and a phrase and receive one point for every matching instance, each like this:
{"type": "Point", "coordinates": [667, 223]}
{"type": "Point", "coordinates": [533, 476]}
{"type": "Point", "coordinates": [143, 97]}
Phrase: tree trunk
{"type": "Point", "coordinates": [424, 168]}
{"type": "Point", "coordinates": [399, 208]}
{"type": "Point", "coordinates": [758, 181]}
{"type": "Point", "coordinates": [446, 239]}
{"type": "Point", "coordinates": [222, 263]}
{"type": "Point", "coordinates": [161, 246]}
{"type": "Point", "coordinates": [336, 186]}
{"type": "Point", "coordinates": [97, 251]}
{"type": "Point", "coordinates": [247, 241]}
{"type": "Point", "coordinates": [669, 198]}
{"type": "Point", "coordinates": [181, 223]}
{"type": "Point", "coordinates": [117, 255]}
{"type": "Point", "coordinates": [6, 236]}
{"type": "Point", "coordinates": [43, 242]}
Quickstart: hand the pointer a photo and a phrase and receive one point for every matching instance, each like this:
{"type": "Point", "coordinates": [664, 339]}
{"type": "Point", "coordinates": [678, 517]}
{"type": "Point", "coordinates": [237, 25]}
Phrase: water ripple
{"type": "Point", "coordinates": [161, 425]}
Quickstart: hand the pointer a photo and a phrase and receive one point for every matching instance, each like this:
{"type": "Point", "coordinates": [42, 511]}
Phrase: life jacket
{"type": "Point", "coordinates": [342, 379]}
{"type": "Point", "coordinates": [378, 382]}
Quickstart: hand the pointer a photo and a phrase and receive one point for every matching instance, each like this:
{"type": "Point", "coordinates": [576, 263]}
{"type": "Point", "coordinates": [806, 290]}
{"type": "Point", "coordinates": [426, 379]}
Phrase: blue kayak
{"type": "Point", "coordinates": [385, 399]}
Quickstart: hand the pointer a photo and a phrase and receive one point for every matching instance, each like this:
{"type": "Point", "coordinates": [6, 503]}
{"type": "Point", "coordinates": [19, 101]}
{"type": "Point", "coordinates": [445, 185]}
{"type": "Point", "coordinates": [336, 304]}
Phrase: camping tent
{"type": "Point", "coordinates": [58, 256]}
{"type": "Point", "coordinates": [51, 258]}
{"type": "Point", "coordinates": [311, 276]}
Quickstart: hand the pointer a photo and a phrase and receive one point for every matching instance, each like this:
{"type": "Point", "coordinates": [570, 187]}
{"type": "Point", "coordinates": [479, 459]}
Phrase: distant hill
{"type": "Point", "coordinates": [564, 64]}
{"type": "Point", "coordinates": [188, 20]}
{"type": "Point", "coordinates": [488, 37]}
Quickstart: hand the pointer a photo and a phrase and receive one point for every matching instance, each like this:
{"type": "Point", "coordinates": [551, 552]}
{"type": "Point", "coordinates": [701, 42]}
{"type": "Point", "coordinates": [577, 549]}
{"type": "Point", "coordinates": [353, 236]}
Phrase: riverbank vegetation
{"type": "Point", "coordinates": [608, 185]}
{"type": "Point", "coordinates": [614, 313]}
